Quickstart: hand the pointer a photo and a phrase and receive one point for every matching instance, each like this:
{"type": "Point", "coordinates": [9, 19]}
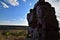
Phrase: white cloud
{"type": "Point", "coordinates": [37, 0]}
{"type": "Point", "coordinates": [24, 0]}
{"type": "Point", "coordinates": [4, 5]}
{"type": "Point", "coordinates": [13, 2]}
{"type": "Point", "coordinates": [13, 19]}
{"type": "Point", "coordinates": [30, 4]}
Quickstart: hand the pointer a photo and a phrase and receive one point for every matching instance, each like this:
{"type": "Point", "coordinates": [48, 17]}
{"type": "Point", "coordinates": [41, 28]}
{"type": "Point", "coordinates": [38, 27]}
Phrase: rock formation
{"type": "Point", "coordinates": [43, 17]}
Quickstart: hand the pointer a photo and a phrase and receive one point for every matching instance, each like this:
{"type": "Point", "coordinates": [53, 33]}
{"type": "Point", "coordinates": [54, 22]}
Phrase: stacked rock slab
{"type": "Point", "coordinates": [44, 19]}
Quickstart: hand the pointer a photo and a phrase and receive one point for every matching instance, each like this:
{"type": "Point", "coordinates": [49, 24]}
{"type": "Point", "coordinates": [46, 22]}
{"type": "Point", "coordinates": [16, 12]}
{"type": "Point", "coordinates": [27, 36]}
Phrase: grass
{"type": "Point", "coordinates": [13, 34]}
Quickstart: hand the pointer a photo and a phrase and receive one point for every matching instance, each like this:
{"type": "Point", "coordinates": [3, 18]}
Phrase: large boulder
{"type": "Point", "coordinates": [44, 19]}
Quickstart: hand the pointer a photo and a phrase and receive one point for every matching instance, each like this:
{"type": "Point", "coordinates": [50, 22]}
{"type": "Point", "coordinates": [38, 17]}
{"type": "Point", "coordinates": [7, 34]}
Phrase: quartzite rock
{"type": "Point", "coordinates": [43, 17]}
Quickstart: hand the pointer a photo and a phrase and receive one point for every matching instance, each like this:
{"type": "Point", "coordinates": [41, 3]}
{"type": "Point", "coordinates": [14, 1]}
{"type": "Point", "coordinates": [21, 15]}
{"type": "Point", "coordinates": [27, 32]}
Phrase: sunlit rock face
{"type": "Point", "coordinates": [44, 19]}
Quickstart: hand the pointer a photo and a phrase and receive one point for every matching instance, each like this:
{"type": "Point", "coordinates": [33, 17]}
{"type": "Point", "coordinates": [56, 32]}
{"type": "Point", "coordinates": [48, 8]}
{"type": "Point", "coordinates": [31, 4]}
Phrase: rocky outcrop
{"type": "Point", "coordinates": [43, 17]}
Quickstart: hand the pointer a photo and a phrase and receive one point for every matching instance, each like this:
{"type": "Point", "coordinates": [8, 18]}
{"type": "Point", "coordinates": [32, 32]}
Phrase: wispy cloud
{"type": "Point", "coordinates": [11, 2]}
{"type": "Point", "coordinates": [30, 4]}
{"type": "Point", "coordinates": [5, 22]}
{"type": "Point", "coordinates": [23, 22]}
{"type": "Point", "coordinates": [56, 0]}
{"type": "Point", "coordinates": [53, 1]}
{"type": "Point", "coordinates": [20, 21]}
{"type": "Point", "coordinates": [37, 0]}
{"type": "Point", "coordinates": [24, 0]}
{"type": "Point", "coordinates": [4, 5]}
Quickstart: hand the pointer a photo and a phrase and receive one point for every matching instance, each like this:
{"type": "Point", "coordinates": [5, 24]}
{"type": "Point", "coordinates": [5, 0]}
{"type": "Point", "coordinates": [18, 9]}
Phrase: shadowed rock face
{"type": "Point", "coordinates": [43, 17]}
{"type": "Point", "coordinates": [32, 18]}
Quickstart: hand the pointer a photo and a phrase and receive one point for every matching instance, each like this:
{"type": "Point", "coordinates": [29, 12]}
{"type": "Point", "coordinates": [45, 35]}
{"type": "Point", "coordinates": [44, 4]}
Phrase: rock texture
{"type": "Point", "coordinates": [43, 18]}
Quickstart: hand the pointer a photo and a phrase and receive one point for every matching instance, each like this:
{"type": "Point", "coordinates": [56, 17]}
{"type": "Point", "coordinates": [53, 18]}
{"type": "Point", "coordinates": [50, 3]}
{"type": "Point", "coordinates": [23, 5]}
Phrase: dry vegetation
{"type": "Point", "coordinates": [13, 34]}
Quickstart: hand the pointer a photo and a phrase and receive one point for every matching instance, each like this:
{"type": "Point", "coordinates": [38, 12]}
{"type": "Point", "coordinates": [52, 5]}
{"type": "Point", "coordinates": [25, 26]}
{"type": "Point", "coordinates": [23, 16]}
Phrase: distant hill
{"type": "Point", "coordinates": [13, 27]}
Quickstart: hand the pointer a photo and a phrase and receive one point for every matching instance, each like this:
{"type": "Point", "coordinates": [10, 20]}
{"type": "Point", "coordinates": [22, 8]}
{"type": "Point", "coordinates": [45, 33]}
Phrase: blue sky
{"type": "Point", "coordinates": [13, 12]}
